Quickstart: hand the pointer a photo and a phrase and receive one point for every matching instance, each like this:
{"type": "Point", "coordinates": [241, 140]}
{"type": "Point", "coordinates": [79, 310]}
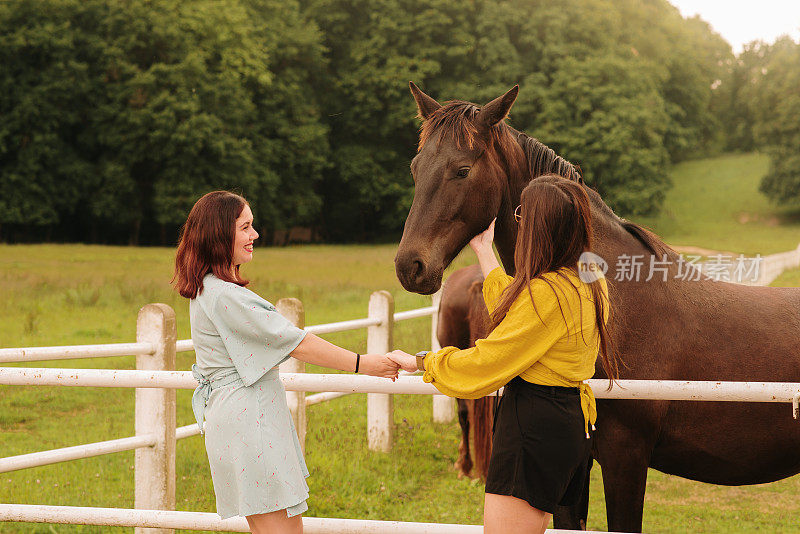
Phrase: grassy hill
{"type": "Point", "coordinates": [715, 203]}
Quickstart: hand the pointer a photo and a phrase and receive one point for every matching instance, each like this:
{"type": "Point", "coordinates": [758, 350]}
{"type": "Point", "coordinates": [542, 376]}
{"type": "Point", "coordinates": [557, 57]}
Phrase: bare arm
{"type": "Point", "coordinates": [316, 351]}
{"type": "Point", "coordinates": [482, 245]}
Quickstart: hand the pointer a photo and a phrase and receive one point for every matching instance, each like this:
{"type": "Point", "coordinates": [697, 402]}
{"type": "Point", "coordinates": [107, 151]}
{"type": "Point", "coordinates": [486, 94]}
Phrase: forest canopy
{"type": "Point", "coordinates": [118, 115]}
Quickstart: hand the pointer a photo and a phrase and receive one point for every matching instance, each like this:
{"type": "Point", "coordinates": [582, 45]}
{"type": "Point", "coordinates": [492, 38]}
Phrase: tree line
{"type": "Point", "coordinates": [118, 115]}
{"type": "Point", "coordinates": [762, 110]}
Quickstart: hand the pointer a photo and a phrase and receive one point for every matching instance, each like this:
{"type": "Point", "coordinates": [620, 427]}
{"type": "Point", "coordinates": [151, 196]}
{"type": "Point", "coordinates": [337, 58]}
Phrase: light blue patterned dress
{"type": "Point", "coordinates": [256, 462]}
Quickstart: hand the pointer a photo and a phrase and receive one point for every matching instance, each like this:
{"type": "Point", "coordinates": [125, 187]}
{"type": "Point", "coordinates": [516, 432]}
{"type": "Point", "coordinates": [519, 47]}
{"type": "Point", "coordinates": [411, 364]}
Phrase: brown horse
{"type": "Point", "coordinates": [471, 167]}
{"type": "Point", "coordinates": [464, 319]}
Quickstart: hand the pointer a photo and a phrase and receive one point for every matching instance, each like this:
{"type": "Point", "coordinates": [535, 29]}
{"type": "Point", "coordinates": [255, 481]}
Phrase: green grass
{"type": "Point", "coordinates": [76, 294]}
{"type": "Point", "coordinates": [715, 204]}
{"type": "Point", "coordinates": [790, 278]}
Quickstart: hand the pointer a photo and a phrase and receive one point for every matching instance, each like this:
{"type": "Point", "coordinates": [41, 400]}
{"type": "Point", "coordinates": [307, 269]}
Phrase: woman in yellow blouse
{"type": "Point", "coordinates": [548, 325]}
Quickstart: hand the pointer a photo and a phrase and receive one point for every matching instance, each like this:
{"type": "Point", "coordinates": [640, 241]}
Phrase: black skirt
{"type": "Point", "coordinates": [540, 452]}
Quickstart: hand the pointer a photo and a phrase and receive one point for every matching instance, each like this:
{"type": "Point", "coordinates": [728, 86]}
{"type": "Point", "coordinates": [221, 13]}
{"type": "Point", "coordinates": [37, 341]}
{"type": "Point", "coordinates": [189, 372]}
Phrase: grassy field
{"type": "Point", "coordinates": [715, 203]}
{"type": "Point", "coordinates": [59, 295]}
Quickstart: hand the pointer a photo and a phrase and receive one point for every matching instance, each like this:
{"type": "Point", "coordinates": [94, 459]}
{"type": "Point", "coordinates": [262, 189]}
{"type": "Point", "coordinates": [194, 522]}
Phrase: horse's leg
{"type": "Point", "coordinates": [624, 457]}
{"type": "Point", "coordinates": [575, 517]}
{"type": "Point", "coordinates": [583, 504]}
{"type": "Point", "coordinates": [464, 463]}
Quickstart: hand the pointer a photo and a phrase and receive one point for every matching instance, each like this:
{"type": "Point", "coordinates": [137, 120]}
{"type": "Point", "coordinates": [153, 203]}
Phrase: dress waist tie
{"type": "Point", "coordinates": [203, 391]}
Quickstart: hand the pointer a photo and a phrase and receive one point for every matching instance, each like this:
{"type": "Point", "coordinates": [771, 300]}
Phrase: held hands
{"type": "Point", "coordinates": [378, 365]}
{"type": "Point", "coordinates": [387, 366]}
{"type": "Point", "coordinates": [406, 361]}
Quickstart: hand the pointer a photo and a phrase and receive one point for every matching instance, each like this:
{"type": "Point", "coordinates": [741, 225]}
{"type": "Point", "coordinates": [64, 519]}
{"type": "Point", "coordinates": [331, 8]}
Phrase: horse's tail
{"type": "Point", "coordinates": [483, 415]}
{"type": "Point", "coordinates": [483, 408]}
{"type": "Point", "coordinates": [477, 314]}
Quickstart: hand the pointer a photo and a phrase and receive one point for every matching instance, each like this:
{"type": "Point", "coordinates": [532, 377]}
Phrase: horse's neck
{"type": "Point", "coordinates": [518, 175]}
{"type": "Point", "coordinates": [611, 240]}
{"type": "Point", "coordinates": [505, 239]}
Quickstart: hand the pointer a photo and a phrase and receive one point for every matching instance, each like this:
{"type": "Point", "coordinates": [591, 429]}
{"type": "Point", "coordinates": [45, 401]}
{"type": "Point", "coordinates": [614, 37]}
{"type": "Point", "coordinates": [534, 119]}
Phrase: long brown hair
{"type": "Point", "coordinates": [206, 243]}
{"type": "Point", "coordinates": [555, 229]}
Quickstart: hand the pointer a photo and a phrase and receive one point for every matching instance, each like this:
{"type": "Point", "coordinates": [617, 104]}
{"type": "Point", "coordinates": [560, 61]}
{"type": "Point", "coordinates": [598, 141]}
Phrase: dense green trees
{"type": "Point", "coordinates": [621, 87]}
{"type": "Point", "coordinates": [763, 111]}
{"type": "Point", "coordinates": [778, 128]}
{"type": "Point", "coordinates": [118, 115]}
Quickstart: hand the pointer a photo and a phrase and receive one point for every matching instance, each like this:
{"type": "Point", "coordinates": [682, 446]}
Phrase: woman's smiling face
{"type": "Point", "coordinates": [244, 236]}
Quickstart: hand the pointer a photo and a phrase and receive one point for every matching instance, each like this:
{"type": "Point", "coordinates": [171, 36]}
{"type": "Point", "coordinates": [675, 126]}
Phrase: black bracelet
{"type": "Point", "coordinates": [358, 361]}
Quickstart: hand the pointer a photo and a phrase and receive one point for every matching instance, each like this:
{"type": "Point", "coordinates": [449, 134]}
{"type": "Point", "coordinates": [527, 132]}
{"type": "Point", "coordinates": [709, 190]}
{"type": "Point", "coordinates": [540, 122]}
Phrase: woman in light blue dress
{"type": "Point", "coordinates": [257, 466]}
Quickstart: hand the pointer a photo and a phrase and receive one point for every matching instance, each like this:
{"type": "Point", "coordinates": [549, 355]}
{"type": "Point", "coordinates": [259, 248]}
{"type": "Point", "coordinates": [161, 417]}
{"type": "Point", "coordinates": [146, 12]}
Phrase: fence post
{"type": "Point", "coordinates": [293, 310]}
{"type": "Point", "coordinates": [154, 474]}
{"type": "Point", "coordinates": [380, 406]}
{"type": "Point", "coordinates": [444, 409]}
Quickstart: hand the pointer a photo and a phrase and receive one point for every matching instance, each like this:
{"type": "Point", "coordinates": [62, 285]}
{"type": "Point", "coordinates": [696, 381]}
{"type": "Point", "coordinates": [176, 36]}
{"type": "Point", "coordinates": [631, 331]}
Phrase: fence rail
{"type": "Point", "coordinates": [165, 519]}
{"type": "Point", "coordinates": [66, 454]}
{"type": "Point", "coordinates": [337, 384]}
{"type": "Point", "coordinates": [33, 354]}
{"type": "Point", "coordinates": [677, 390]}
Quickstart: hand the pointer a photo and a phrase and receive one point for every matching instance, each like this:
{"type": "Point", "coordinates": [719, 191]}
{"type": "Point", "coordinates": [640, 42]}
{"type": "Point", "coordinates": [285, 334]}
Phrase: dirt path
{"type": "Point", "coordinates": [688, 249]}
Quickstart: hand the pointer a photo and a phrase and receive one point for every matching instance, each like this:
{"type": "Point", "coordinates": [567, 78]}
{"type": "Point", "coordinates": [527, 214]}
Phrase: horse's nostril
{"type": "Point", "coordinates": [412, 271]}
{"type": "Point", "coordinates": [416, 269]}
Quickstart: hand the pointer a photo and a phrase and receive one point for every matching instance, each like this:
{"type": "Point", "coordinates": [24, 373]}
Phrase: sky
{"type": "Point", "coordinates": [742, 21]}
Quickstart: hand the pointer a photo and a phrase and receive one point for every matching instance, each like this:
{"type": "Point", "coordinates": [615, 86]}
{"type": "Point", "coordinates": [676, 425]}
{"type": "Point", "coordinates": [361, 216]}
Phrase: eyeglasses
{"type": "Point", "coordinates": [518, 213]}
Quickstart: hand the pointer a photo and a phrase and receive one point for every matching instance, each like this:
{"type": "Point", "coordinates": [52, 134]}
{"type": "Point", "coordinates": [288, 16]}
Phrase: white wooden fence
{"type": "Point", "coordinates": [155, 419]}
{"type": "Point", "coordinates": [727, 268]}
{"type": "Point", "coordinates": [156, 381]}
{"type": "Point", "coordinates": [774, 264]}
{"type": "Point", "coordinates": [153, 352]}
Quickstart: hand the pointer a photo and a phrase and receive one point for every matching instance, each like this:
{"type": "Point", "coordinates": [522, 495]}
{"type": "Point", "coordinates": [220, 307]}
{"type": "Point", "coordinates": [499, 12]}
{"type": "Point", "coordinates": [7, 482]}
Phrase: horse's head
{"type": "Point", "coordinates": [460, 176]}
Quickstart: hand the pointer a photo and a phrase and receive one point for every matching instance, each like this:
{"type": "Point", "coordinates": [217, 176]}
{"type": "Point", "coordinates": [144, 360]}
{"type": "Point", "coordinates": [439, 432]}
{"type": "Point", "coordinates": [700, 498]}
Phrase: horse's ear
{"type": "Point", "coordinates": [425, 104]}
{"type": "Point", "coordinates": [497, 109]}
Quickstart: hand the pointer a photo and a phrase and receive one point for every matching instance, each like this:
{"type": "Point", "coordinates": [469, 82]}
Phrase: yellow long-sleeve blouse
{"type": "Point", "coordinates": [556, 347]}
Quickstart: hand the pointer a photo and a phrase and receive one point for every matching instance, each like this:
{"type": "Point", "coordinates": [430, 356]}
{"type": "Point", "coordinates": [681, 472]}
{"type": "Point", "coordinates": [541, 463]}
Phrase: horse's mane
{"type": "Point", "coordinates": [651, 241]}
{"type": "Point", "coordinates": [457, 116]}
{"type": "Point", "coordinates": [543, 160]}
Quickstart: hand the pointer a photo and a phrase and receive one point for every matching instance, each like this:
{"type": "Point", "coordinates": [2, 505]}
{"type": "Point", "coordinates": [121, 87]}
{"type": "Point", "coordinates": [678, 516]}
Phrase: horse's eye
{"type": "Point", "coordinates": [462, 172]}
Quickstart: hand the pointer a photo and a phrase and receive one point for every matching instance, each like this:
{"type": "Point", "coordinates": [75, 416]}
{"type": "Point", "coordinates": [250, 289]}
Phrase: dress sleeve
{"type": "Point", "coordinates": [255, 335]}
{"type": "Point", "coordinates": [494, 284]}
{"type": "Point", "coordinates": [521, 339]}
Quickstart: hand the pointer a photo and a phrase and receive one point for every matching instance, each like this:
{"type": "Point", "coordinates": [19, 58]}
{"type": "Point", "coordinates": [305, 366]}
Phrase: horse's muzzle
{"type": "Point", "coordinates": [415, 274]}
